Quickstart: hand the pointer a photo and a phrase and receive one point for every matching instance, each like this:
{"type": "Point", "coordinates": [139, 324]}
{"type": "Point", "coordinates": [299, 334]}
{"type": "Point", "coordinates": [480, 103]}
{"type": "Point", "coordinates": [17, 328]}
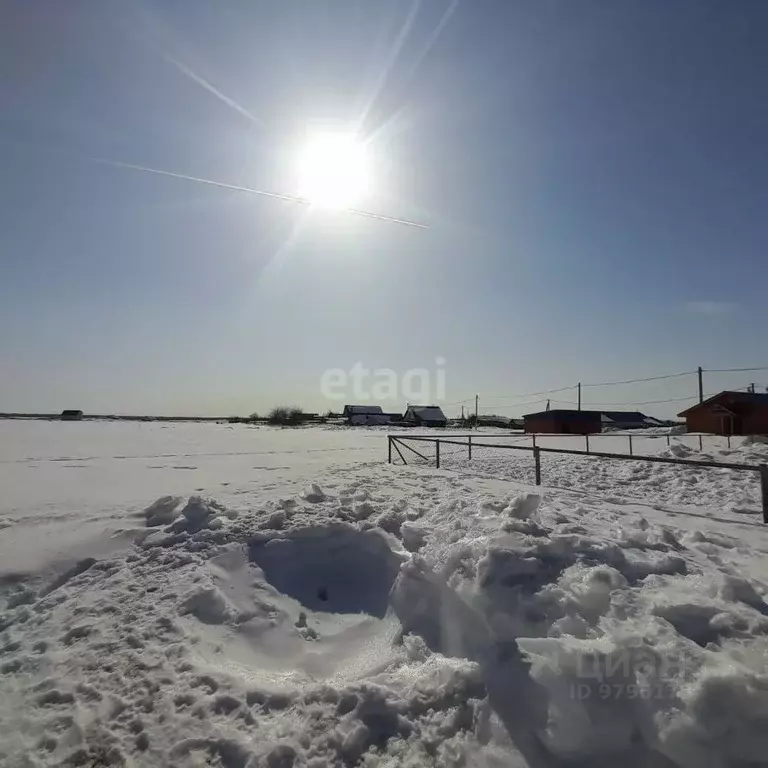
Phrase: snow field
{"type": "Point", "coordinates": [352, 613]}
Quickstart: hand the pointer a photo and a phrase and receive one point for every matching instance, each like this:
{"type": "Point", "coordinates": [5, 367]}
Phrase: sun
{"type": "Point", "coordinates": [333, 171]}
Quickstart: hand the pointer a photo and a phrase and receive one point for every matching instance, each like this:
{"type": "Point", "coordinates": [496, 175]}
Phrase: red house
{"type": "Point", "coordinates": [729, 413]}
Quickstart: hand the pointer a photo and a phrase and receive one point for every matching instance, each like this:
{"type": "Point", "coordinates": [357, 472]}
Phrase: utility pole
{"type": "Point", "coordinates": [752, 388]}
{"type": "Point", "coordinates": [462, 413]}
{"type": "Point", "coordinates": [701, 385]}
{"type": "Point", "coordinates": [579, 398]}
{"type": "Point", "coordinates": [477, 400]}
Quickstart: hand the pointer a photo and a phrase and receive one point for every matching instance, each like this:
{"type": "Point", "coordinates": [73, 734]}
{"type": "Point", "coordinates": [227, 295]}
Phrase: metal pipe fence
{"type": "Point", "coordinates": [689, 439]}
{"type": "Point", "coordinates": [397, 442]}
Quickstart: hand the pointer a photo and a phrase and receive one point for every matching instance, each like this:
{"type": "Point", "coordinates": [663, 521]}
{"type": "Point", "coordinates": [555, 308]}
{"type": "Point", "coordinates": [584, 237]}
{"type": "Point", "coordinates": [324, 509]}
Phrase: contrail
{"type": "Point", "coordinates": [250, 190]}
{"type": "Point", "coordinates": [149, 33]}
{"type": "Point", "coordinates": [211, 182]}
{"type": "Point", "coordinates": [210, 87]}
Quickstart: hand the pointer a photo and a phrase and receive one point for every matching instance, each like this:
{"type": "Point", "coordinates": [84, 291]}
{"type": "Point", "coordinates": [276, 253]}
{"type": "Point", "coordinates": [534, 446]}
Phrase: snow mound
{"type": "Point", "coordinates": [208, 604]}
{"type": "Point", "coordinates": [335, 568]}
{"type": "Point", "coordinates": [163, 511]}
{"type": "Point", "coordinates": [524, 506]}
{"type": "Point", "coordinates": [199, 513]}
{"type": "Point", "coordinates": [602, 644]}
{"type": "Point", "coordinates": [679, 451]}
{"type": "Point", "coordinates": [314, 494]}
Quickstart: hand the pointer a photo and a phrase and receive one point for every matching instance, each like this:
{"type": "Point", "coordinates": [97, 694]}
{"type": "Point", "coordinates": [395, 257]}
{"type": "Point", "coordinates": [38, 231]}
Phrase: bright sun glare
{"type": "Point", "coordinates": [333, 171]}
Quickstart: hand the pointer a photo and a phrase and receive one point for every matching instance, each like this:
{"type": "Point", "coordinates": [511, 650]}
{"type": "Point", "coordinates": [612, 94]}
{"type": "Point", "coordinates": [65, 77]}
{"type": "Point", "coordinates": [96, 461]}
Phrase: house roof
{"type": "Point", "coordinates": [427, 412]}
{"type": "Point", "coordinates": [607, 417]}
{"type": "Point", "coordinates": [623, 416]}
{"type": "Point", "coordinates": [565, 414]}
{"type": "Point", "coordinates": [495, 418]}
{"type": "Point", "coordinates": [743, 398]}
{"type": "Point", "coordinates": [362, 409]}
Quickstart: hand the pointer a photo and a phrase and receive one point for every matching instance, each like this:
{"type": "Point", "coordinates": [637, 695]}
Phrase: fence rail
{"type": "Point", "coordinates": [631, 438]}
{"type": "Point", "coordinates": [397, 442]}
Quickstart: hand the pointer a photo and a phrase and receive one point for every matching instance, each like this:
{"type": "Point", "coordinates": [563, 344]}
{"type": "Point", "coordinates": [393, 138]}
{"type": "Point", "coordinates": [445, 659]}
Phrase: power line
{"type": "Point", "coordinates": [680, 374]}
{"type": "Point", "coordinates": [459, 402]}
{"type": "Point", "coordinates": [671, 400]}
{"type": "Point", "coordinates": [658, 402]}
{"type": "Point", "coordinates": [645, 402]}
{"type": "Point", "coordinates": [733, 370]}
{"type": "Point", "coordinates": [506, 407]}
{"type": "Point", "coordinates": [636, 381]}
{"type": "Point", "coordinates": [598, 384]}
{"type": "Point", "coordinates": [590, 406]}
{"type": "Point", "coordinates": [530, 394]}
{"type": "Point", "coordinates": [524, 405]}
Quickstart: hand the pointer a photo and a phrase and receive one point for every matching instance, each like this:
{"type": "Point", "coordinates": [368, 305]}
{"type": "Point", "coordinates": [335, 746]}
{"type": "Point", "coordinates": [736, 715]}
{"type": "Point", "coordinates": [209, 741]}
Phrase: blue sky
{"type": "Point", "coordinates": [594, 176]}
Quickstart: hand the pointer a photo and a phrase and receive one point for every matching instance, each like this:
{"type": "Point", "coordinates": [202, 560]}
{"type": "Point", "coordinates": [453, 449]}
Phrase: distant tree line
{"type": "Point", "coordinates": [281, 415]}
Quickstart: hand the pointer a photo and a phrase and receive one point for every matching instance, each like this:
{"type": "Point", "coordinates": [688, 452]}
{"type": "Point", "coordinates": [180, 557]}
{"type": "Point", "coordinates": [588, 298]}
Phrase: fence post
{"type": "Point", "coordinates": [631, 453]}
{"type": "Point", "coordinates": [469, 446]}
{"type": "Point", "coordinates": [667, 441]}
{"type": "Point", "coordinates": [729, 440]}
{"type": "Point", "coordinates": [586, 441]}
{"type": "Point", "coordinates": [437, 454]}
{"type": "Point", "coordinates": [701, 444]}
{"type": "Point", "coordinates": [537, 460]}
{"type": "Point", "coordinates": [534, 439]}
{"type": "Point", "coordinates": [764, 490]}
{"type": "Point", "coordinates": [389, 449]}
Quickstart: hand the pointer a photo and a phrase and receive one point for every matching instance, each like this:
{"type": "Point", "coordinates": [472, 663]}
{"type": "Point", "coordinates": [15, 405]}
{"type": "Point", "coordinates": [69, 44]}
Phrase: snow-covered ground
{"type": "Point", "coordinates": [215, 595]}
{"type": "Point", "coordinates": [732, 491]}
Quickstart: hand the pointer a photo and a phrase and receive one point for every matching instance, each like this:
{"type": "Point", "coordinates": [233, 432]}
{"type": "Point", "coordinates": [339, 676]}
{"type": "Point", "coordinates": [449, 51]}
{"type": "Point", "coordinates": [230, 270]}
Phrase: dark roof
{"type": "Point", "coordinates": [565, 414]}
{"type": "Point", "coordinates": [426, 412]}
{"type": "Point", "coordinates": [624, 415]}
{"type": "Point", "coordinates": [362, 409]}
{"type": "Point", "coordinates": [745, 398]}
